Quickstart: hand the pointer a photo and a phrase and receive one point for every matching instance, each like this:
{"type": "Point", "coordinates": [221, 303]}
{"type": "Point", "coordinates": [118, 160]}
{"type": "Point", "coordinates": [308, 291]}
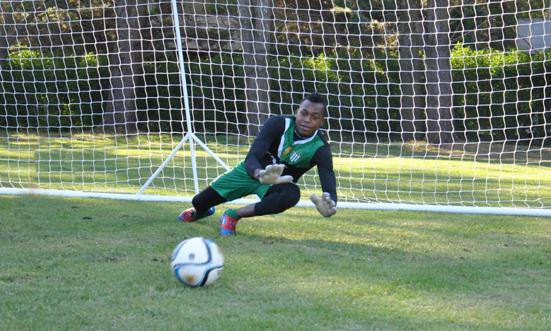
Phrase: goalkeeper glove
{"type": "Point", "coordinates": [325, 205]}
{"type": "Point", "coordinates": [272, 175]}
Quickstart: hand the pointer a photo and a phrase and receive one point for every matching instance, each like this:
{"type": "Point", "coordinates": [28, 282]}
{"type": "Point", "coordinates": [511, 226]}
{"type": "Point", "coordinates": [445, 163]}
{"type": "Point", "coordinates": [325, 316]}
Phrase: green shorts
{"type": "Point", "coordinates": [237, 183]}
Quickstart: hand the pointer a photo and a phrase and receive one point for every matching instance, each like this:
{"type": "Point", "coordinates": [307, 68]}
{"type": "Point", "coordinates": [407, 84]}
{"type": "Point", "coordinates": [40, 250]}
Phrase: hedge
{"type": "Point", "coordinates": [497, 95]}
{"type": "Point", "coordinates": [51, 93]}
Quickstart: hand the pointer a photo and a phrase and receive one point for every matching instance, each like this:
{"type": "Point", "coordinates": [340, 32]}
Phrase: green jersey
{"type": "Point", "coordinates": [297, 153]}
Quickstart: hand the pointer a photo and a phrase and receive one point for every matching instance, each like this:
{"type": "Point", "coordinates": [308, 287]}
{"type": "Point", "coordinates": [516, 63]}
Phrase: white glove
{"type": "Point", "coordinates": [272, 175]}
{"type": "Point", "coordinates": [325, 205]}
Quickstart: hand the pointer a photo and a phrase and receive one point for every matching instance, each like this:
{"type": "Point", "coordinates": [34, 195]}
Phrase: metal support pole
{"type": "Point", "coordinates": [190, 135]}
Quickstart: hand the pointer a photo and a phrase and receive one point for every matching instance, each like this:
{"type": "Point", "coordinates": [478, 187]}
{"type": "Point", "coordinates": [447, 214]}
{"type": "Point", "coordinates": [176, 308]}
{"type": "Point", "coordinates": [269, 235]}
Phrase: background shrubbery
{"type": "Point", "coordinates": [497, 95]}
{"type": "Point", "coordinates": [501, 95]}
{"type": "Point", "coordinates": [53, 93]}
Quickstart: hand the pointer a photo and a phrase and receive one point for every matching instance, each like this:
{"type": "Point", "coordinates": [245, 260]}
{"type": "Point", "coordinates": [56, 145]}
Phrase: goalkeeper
{"type": "Point", "coordinates": [285, 148]}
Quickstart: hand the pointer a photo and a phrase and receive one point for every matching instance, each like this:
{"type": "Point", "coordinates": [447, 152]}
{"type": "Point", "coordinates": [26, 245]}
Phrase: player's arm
{"type": "Point", "coordinates": [270, 132]}
{"type": "Point", "coordinates": [326, 204]}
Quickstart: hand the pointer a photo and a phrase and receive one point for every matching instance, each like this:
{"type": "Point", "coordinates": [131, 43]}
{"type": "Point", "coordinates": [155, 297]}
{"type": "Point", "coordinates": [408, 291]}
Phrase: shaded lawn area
{"type": "Point", "coordinates": [103, 264]}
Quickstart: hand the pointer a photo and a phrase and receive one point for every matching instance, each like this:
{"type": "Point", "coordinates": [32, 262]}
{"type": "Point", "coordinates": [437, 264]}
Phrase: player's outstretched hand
{"type": "Point", "coordinates": [325, 205]}
{"type": "Point", "coordinates": [272, 175]}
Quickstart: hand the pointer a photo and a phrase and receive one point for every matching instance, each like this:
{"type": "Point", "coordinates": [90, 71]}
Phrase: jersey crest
{"type": "Point", "coordinates": [286, 152]}
{"type": "Point", "coordinates": [294, 157]}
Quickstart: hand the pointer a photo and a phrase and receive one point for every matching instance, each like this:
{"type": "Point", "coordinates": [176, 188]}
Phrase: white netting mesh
{"type": "Point", "coordinates": [430, 102]}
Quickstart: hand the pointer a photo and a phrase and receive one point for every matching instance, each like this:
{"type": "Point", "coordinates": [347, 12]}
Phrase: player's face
{"type": "Point", "coordinates": [309, 117]}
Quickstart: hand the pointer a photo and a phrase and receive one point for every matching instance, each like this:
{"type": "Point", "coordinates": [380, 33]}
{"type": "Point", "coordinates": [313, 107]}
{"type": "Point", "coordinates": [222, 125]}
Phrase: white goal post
{"type": "Point", "coordinates": [435, 105]}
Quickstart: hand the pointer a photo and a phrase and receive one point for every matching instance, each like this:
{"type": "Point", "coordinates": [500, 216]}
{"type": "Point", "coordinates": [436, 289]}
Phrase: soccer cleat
{"type": "Point", "coordinates": [190, 215]}
{"type": "Point", "coordinates": [227, 224]}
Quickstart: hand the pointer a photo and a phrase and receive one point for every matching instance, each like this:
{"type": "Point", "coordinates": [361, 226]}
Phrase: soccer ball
{"type": "Point", "coordinates": [197, 262]}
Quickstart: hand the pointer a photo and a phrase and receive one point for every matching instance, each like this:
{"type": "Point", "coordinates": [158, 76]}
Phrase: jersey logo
{"type": "Point", "coordinates": [294, 157]}
{"type": "Point", "coordinates": [286, 151]}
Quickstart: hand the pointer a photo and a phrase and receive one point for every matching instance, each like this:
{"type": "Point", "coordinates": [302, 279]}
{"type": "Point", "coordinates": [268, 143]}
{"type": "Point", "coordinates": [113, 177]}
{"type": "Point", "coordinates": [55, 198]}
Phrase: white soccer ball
{"type": "Point", "coordinates": [197, 262]}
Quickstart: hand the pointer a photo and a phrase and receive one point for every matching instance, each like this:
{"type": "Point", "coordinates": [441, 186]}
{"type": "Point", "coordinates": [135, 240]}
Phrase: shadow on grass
{"type": "Point", "coordinates": [355, 270]}
{"type": "Point", "coordinates": [404, 272]}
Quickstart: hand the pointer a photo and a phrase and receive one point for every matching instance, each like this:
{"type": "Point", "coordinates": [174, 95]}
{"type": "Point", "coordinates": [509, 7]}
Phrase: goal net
{"type": "Point", "coordinates": [433, 104]}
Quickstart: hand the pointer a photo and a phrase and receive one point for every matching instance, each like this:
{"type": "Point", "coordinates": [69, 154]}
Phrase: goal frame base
{"type": "Point", "coordinates": [347, 205]}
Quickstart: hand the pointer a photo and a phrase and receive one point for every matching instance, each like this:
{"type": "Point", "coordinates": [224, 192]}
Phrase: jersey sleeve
{"type": "Point", "coordinates": [271, 131]}
{"type": "Point", "coordinates": [324, 160]}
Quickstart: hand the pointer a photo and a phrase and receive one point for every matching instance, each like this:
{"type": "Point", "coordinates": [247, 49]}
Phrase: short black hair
{"type": "Point", "coordinates": [315, 97]}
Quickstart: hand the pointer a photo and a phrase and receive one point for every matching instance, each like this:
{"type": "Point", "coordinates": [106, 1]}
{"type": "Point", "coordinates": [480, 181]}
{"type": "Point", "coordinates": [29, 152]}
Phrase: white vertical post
{"type": "Point", "coordinates": [183, 81]}
{"type": "Point", "coordinates": [190, 135]}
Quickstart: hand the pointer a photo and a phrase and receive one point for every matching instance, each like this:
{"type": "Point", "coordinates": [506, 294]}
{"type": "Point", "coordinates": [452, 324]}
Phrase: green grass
{"type": "Point", "coordinates": [101, 264]}
{"type": "Point", "coordinates": [473, 175]}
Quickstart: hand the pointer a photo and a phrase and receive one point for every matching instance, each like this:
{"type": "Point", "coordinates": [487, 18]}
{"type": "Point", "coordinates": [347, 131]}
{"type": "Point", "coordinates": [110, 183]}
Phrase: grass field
{"type": "Point", "coordinates": [478, 175]}
{"type": "Point", "coordinates": [100, 264]}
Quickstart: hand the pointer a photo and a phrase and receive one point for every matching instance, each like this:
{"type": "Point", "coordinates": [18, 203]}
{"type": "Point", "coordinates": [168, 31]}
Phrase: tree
{"type": "Point", "coordinates": [13, 23]}
{"type": "Point", "coordinates": [7, 35]}
{"type": "Point", "coordinates": [410, 48]}
{"type": "Point", "coordinates": [256, 34]}
{"type": "Point", "coordinates": [438, 78]}
{"type": "Point", "coordinates": [125, 64]}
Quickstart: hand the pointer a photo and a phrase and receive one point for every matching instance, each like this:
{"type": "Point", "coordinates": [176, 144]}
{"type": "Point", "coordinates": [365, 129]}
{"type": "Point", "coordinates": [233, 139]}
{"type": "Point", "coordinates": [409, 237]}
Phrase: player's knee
{"type": "Point", "coordinates": [291, 195]}
{"type": "Point", "coordinates": [280, 197]}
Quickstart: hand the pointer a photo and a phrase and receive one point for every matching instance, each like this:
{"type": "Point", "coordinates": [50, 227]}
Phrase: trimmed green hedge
{"type": "Point", "coordinates": [51, 93]}
{"type": "Point", "coordinates": [501, 95]}
{"type": "Point", "coordinates": [362, 94]}
{"type": "Point", "coordinates": [497, 95]}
